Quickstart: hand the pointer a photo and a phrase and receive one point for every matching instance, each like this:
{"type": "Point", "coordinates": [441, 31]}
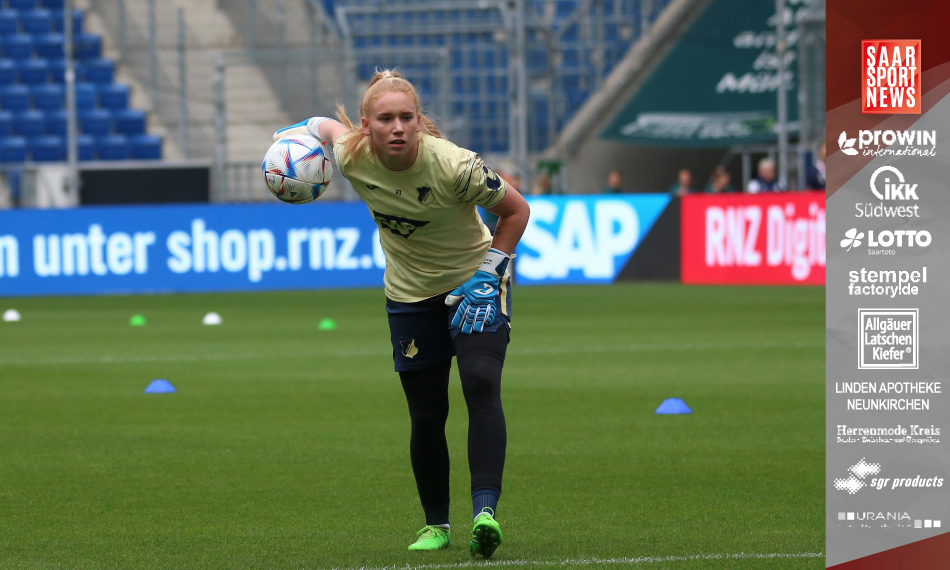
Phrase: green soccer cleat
{"type": "Point", "coordinates": [486, 535]}
{"type": "Point", "coordinates": [432, 538]}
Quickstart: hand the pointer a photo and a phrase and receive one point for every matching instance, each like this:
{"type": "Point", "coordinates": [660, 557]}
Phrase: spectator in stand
{"type": "Point", "coordinates": [542, 186]}
{"type": "Point", "coordinates": [765, 181]}
{"type": "Point", "coordinates": [614, 183]}
{"type": "Point", "coordinates": [720, 182]}
{"type": "Point", "coordinates": [815, 173]}
{"type": "Point", "coordinates": [683, 185]}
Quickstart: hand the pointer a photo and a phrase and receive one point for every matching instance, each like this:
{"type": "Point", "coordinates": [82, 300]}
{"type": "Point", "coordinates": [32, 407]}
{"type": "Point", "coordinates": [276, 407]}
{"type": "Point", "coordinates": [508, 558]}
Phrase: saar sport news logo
{"type": "Point", "coordinates": [890, 77]}
{"type": "Point", "coordinates": [889, 143]}
{"type": "Point", "coordinates": [858, 479]}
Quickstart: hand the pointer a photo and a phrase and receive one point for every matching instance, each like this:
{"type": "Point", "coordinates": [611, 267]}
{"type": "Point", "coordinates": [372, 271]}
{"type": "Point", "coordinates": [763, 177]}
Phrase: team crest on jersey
{"type": "Point", "coordinates": [425, 195]}
{"type": "Point", "coordinates": [403, 227]}
{"type": "Point", "coordinates": [409, 348]}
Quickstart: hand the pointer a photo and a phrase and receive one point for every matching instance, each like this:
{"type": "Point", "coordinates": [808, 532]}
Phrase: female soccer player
{"type": "Point", "coordinates": [447, 286]}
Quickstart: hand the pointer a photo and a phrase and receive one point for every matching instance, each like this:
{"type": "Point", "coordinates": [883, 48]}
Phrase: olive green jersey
{"type": "Point", "coordinates": [430, 230]}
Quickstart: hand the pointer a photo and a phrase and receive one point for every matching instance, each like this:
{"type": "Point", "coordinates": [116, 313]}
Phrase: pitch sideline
{"type": "Point", "coordinates": [590, 561]}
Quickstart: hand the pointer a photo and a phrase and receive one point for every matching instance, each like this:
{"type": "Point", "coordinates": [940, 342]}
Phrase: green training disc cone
{"type": "Point", "coordinates": [137, 321]}
{"type": "Point", "coordinates": [327, 325]}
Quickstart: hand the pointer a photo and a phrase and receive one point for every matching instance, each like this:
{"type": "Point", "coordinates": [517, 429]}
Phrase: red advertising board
{"type": "Point", "coordinates": [761, 239]}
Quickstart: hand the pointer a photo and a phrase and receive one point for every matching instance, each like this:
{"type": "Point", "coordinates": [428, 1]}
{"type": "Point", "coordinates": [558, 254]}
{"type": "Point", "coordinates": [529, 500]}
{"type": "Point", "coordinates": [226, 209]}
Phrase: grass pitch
{"type": "Point", "coordinates": [286, 447]}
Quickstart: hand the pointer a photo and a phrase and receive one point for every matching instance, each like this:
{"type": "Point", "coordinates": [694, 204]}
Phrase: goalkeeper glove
{"type": "Point", "coordinates": [477, 295]}
{"type": "Point", "coordinates": [307, 127]}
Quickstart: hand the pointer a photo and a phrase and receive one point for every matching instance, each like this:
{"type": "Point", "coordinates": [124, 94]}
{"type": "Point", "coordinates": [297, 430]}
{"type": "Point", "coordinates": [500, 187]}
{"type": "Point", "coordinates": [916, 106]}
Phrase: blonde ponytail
{"type": "Point", "coordinates": [383, 81]}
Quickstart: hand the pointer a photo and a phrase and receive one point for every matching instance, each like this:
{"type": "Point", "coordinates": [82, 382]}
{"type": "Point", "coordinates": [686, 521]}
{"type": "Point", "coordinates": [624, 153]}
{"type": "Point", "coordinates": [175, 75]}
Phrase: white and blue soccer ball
{"type": "Point", "coordinates": [296, 169]}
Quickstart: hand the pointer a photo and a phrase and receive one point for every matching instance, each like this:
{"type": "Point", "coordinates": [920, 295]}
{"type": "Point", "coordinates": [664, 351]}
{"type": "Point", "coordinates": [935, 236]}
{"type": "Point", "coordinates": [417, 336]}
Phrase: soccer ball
{"type": "Point", "coordinates": [296, 169]}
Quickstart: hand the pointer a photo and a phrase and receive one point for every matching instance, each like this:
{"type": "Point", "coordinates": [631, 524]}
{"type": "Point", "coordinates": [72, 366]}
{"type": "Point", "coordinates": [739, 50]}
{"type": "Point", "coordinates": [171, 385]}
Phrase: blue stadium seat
{"type": "Point", "coordinates": [114, 96]}
{"type": "Point", "coordinates": [23, 5]}
{"type": "Point", "coordinates": [19, 46]}
{"type": "Point", "coordinates": [129, 121]}
{"type": "Point", "coordinates": [99, 71]}
{"type": "Point", "coordinates": [32, 71]}
{"type": "Point", "coordinates": [6, 123]}
{"type": "Point", "coordinates": [9, 22]}
{"type": "Point", "coordinates": [52, 4]}
{"type": "Point", "coordinates": [15, 97]}
{"type": "Point", "coordinates": [55, 122]}
{"type": "Point", "coordinates": [86, 147]}
{"type": "Point", "coordinates": [96, 122]}
{"type": "Point", "coordinates": [36, 22]}
{"type": "Point", "coordinates": [50, 46]}
{"type": "Point", "coordinates": [7, 71]}
{"type": "Point", "coordinates": [146, 147]}
{"type": "Point", "coordinates": [58, 20]}
{"type": "Point", "coordinates": [87, 46]}
{"type": "Point", "coordinates": [47, 149]}
{"type": "Point", "coordinates": [48, 96]}
{"type": "Point", "coordinates": [112, 147]}
{"type": "Point", "coordinates": [29, 123]}
{"type": "Point", "coordinates": [12, 149]}
{"type": "Point", "coordinates": [85, 96]}
{"type": "Point", "coordinates": [57, 70]}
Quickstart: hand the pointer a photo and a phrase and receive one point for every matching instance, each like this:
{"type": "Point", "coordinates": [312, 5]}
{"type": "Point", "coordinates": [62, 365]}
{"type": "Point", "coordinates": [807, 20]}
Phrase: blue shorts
{"type": "Point", "coordinates": [422, 332]}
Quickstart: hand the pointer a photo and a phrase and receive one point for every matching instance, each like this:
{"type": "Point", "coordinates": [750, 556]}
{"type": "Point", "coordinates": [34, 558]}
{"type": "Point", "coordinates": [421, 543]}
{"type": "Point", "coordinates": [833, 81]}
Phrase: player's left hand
{"type": "Point", "coordinates": [477, 307]}
{"type": "Point", "coordinates": [476, 297]}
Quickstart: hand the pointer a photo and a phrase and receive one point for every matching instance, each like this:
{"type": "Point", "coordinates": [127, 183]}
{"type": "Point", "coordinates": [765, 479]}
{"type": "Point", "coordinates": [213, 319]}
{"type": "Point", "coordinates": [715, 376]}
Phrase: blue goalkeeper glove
{"type": "Point", "coordinates": [477, 295]}
{"type": "Point", "coordinates": [307, 127]}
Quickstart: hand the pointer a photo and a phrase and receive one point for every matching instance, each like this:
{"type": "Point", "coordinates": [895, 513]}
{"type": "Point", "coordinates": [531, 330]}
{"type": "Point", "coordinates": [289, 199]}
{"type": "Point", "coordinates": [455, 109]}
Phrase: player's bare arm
{"type": "Point", "coordinates": [512, 214]}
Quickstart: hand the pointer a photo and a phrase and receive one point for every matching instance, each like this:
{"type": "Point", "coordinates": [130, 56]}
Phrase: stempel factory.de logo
{"type": "Point", "coordinates": [753, 239]}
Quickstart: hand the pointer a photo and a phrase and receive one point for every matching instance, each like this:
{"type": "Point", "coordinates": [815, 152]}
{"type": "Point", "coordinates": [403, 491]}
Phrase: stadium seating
{"type": "Point", "coordinates": [112, 147]}
{"type": "Point", "coordinates": [478, 55]}
{"type": "Point", "coordinates": [33, 96]}
{"type": "Point", "coordinates": [29, 123]}
{"type": "Point", "coordinates": [12, 149]}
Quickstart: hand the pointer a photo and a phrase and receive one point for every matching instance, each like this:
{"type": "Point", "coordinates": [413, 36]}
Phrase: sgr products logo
{"type": "Point", "coordinates": [884, 240]}
{"type": "Point", "coordinates": [859, 472]}
{"type": "Point", "coordinates": [888, 338]}
{"type": "Point", "coordinates": [878, 143]}
{"type": "Point", "coordinates": [891, 76]}
{"type": "Point", "coordinates": [885, 283]}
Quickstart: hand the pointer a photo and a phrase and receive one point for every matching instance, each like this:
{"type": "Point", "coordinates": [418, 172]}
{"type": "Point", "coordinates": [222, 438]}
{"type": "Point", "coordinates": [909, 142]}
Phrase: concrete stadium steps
{"type": "Point", "coordinates": [253, 108]}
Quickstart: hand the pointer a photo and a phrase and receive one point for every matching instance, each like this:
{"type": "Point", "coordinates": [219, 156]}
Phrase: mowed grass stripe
{"type": "Point", "coordinates": [546, 350]}
{"type": "Point", "coordinates": [291, 458]}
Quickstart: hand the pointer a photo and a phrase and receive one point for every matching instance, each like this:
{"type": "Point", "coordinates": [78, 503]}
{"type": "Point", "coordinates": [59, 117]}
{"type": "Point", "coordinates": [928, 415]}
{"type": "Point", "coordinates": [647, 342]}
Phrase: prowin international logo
{"type": "Point", "coordinates": [885, 242]}
{"type": "Point", "coordinates": [889, 143]}
{"type": "Point", "coordinates": [857, 474]}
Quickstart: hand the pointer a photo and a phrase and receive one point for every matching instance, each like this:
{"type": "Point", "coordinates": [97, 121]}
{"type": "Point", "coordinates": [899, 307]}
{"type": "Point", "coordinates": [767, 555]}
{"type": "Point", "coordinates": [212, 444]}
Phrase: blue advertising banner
{"type": "Point", "coordinates": [188, 248]}
{"type": "Point", "coordinates": [155, 249]}
{"type": "Point", "coordinates": [575, 239]}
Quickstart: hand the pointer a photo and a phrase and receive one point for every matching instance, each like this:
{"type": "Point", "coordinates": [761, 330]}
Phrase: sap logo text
{"type": "Point", "coordinates": [118, 253]}
{"type": "Point", "coordinates": [402, 227]}
{"type": "Point", "coordinates": [893, 191]}
{"type": "Point", "coordinates": [889, 143]}
{"type": "Point", "coordinates": [581, 242]}
{"type": "Point", "coordinates": [794, 239]}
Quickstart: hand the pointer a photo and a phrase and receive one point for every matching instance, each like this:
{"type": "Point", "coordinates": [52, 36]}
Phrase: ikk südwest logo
{"type": "Point", "coordinates": [890, 77]}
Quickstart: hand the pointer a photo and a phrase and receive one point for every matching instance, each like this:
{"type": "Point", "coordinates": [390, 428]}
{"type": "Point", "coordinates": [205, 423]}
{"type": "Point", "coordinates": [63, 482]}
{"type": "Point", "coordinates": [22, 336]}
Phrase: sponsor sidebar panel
{"type": "Point", "coordinates": [888, 286]}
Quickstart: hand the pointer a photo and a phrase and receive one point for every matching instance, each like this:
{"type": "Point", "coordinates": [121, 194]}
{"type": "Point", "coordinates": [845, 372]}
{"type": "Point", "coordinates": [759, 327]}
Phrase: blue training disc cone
{"type": "Point", "coordinates": [160, 386]}
{"type": "Point", "coordinates": [673, 406]}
